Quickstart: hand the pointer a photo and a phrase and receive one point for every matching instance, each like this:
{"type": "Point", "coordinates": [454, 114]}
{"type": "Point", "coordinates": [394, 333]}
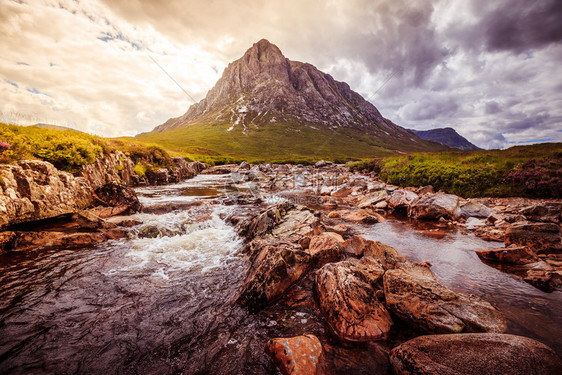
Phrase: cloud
{"type": "Point", "coordinates": [487, 69]}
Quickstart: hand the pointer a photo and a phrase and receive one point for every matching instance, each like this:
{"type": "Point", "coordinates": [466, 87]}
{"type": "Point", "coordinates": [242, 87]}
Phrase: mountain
{"type": "Point", "coordinates": [267, 106]}
{"type": "Point", "coordinates": [448, 137]}
{"type": "Point", "coordinates": [54, 127]}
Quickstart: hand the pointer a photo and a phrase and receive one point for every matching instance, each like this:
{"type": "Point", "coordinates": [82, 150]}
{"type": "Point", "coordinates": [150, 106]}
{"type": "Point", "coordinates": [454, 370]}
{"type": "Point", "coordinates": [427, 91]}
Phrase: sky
{"type": "Point", "coordinates": [489, 69]}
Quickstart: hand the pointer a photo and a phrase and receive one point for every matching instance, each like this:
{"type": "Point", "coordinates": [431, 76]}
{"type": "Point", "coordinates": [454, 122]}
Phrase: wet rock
{"type": "Point", "coordinates": [401, 198]}
{"type": "Point", "coordinates": [428, 306]}
{"type": "Point", "coordinates": [355, 246]}
{"type": "Point", "coordinates": [373, 199]}
{"type": "Point", "coordinates": [475, 209]}
{"type": "Point", "coordinates": [364, 216]}
{"type": "Point", "coordinates": [512, 254]}
{"type": "Point", "coordinates": [116, 195]}
{"type": "Point", "coordinates": [435, 233]}
{"type": "Point", "coordinates": [343, 191]}
{"type": "Point", "coordinates": [474, 354]}
{"type": "Point", "coordinates": [273, 271]}
{"type": "Point", "coordinates": [540, 237]}
{"type": "Point", "coordinates": [88, 220]}
{"type": "Point", "coordinates": [158, 177]}
{"type": "Point", "coordinates": [435, 206]}
{"type": "Point", "coordinates": [390, 259]}
{"type": "Point", "coordinates": [26, 241]}
{"type": "Point", "coordinates": [301, 355]}
{"type": "Point", "coordinates": [34, 190]}
{"type": "Point", "coordinates": [346, 296]}
{"type": "Point", "coordinates": [264, 221]}
{"type": "Point", "coordinates": [340, 229]}
{"type": "Point", "coordinates": [325, 248]}
{"type": "Point", "coordinates": [547, 280]}
{"type": "Point", "coordinates": [245, 165]}
{"type": "Point", "coordinates": [7, 240]}
{"type": "Point", "coordinates": [321, 163]}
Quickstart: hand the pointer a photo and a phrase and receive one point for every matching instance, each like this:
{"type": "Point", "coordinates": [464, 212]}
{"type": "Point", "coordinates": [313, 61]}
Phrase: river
{"type": "Point", "coordinates": [161, 301]}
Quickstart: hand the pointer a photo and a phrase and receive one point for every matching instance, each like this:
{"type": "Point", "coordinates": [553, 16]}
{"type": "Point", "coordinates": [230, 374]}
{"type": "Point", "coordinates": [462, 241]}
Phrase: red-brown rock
{"type": "Point", "coordinates": [347, 299]}
{"type": "Point", "coordinates": [474, 354]}
{"type": "Point", "coordinates": [540, 237]}
{"type": "Point", "coordinates": [301, 355]}
{"type": "Point", "coordinates": [325, 248]}
{"type": "Point", "coordinates": [511, 254]}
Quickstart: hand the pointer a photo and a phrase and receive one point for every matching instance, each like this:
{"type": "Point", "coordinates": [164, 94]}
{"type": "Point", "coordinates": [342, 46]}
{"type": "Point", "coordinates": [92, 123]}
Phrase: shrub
{"type": "Point", "coordinates": [140, 169]}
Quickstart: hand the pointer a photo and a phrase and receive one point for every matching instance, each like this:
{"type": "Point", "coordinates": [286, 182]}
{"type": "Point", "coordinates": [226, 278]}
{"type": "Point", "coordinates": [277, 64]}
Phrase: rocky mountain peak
{"type": "Point", "coordinates": [263, 87]}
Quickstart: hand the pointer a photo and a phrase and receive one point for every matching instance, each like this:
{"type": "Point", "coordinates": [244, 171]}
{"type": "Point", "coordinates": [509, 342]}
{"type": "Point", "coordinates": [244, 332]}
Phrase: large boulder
{"type": "Point", "coordinates": [512, 254]}
{"type": "Point", "coordinates": [27, 241]}
{"type": "Point", "coordinates": [118, 196]}
{"type": "Point", "coordinates": [275, 268]}
{"type": "Point", "coordinates": [474, 354]}
{"type": "Point", "coordinates": [301, 355]}
{"type": "Point", "coordinates": [325, 248]}
{"type": "Point", "coordinates": [540, 237]}
{"type": "Point", "coordinates": [435, 206]}
{"type": "Point", "coordinates": [364, 216]}
{"type": "Point", "coordinates": [347, 299]}
{"type": "Point", "coordinates": [548, 212]}
{"type": "Point", "coordinates": [159, 176]}
{"type": "Point", "coordinates": [373, 198]}
{"type": "Point", "coordinates": [112, 167]}
{"type": "Point", "coordinates": [475, 209]}
{"type": "Point", "coordinates": [401, 198]}
{"type": "Point", "coordinates": [34, 190]}
{"type": "Point", "coordinates": [428, 306]}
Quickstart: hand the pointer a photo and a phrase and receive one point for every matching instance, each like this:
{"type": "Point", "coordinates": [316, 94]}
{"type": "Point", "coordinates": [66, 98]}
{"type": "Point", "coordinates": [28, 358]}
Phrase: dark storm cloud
{"type": "Point", "coordinates": [492, 108]}
{"type": "Point", "coordinates": [518, 25]}
{"type": "Point", "coordinates": [533, 122]}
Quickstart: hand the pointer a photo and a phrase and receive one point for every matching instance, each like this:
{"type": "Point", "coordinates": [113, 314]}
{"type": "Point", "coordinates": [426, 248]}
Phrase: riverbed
{"type": "Point", "coordinates": [161, 302]}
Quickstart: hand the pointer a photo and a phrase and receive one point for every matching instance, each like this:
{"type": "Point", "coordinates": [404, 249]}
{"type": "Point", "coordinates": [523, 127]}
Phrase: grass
{"type": "Point", "coordinates": [531, 171]}
{"type": "Point", "coordinates": [281, 142]}
{"type": "Point", "coordinates": [69, 150]}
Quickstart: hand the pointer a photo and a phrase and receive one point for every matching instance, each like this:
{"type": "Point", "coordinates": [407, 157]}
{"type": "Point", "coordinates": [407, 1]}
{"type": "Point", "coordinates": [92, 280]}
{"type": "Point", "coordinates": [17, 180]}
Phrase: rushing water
{"type": "Point", "coordinates": [161, 302]}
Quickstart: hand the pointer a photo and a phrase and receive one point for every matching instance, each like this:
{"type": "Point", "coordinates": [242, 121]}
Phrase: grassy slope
{"type": "Point", "coordinates": [271, 142]}
{"type": "Point", "coordinates": [533, 171]}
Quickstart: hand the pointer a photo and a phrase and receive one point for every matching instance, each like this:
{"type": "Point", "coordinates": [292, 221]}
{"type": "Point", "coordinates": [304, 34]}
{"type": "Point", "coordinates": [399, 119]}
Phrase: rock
{"type": "Point", "coordinates": [435, 206]}
{"type": "Point", "coordinates": [547, 280]}
{"type": "Point", "coordinates": [473, 222]}
{"type": "Point", "coordinates": [88, 220]}
{"type": "Point", "coordinates": [364, 216]}
{"type": "Point", "coordinates": [355, 246]}
{"type": "Point", "coordinates": [7, 240]}
{"type": "Point", "coordinates": [374, 199]}
{"type": "Point", "coordinates": [512, 254]}
{"type": "Point", "coordinates": [381, 205]}
{"type": "Point", "coordinates": [340, 229]}
{"type": "Point", "coordinates": [401, 198]}
{"type": "Point", "coordinates": [334, 215]}
{"type": "Point", "coordinates": [343, 191]}
{"type": "Point", "coordinates": [390, 259]}
{"type": "Point", "coordinates": [475, 209]}
{"type": "Point", "coordinates": [34, 190]}
{"type": "Point", "coordinates": [27, 241]}
{"type": "Point", "coordinates": [540, 237]}
{"type": "Point", "coordinates": [107, 212]}
{"type": "Point", "coordinates": [273, 271]}
{"type": "Point", "coordinates": [265, 220]}
{"type": "Point", "coordinates": [435, 233]}
{"type": "Point", "coordinates": [301, 355]}
{"type": "Point", "coordinates": [474, 354]}
{"type": "Point", "coordinates": [428, 306]}
{"type": "Point", "coordinates": [245, 165]}
{"type": "Point", "coordinates": [347, 299]}
{"type": "Point", "coordinates": [548, 212]}
{"type": "Point", "coordinates": [425, 190]}
{"type": "Point", "coordinates": [116, 195]}
{"type": "Point", "coordinates": [325, 248]}
{"type": "Point", "coordinates": [320, 164]}
{"type": "Point", "coordinates": [113, 167]}
{"type": "Point", "coordinates": [158, 177]}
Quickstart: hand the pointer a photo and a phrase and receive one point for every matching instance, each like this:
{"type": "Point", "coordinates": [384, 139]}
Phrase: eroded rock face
{"type": "Point", "coordinates": [119, 198]}
{"type": "Point", "coordinates": [274, 270]}
{"type": "Point", "coordinates": [114, 167]}
{"type": "Point", "coordinates": [34, 190]}
{"type": "Point", "coordinates": [26, 241]}
{"type": "Point", "coordinates": [346, 293]}
{"type": "Point", "coordinates": [540, 237]}
{"type": "Point", "coordinates": [474, 354]}
{"type": "Point", "coordinates": [428, 306]}
{"type": "Point", "coordinates": [301, 355]}
{"type": "Point", "coordinates": [435, 206]}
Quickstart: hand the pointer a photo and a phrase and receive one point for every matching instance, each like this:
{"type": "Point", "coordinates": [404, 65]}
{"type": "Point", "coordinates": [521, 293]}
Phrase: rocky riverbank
{"type": "Point", "coordinates": [366, 292]}
{"type": "Point", "coordinates": [530, 228]}
{"type": "Point", "coordinates": [42, 207]}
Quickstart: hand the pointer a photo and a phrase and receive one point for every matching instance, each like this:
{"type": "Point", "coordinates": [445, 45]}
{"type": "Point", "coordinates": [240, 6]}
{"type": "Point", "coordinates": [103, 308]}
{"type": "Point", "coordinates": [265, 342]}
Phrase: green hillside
{"type": "Point", "coordinates": [277, 142]}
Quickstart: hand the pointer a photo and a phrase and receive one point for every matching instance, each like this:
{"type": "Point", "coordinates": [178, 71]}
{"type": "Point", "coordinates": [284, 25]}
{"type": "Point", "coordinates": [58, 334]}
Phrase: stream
{"type": "Point", "coordinates": [161, 302]}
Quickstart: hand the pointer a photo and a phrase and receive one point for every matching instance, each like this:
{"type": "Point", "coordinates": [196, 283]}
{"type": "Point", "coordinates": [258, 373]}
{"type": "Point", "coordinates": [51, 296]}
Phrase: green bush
{"type": "Point", "coordinates": [140, 169]}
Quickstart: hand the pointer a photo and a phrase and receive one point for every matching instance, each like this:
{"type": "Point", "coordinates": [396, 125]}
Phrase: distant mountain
{"type": "Point", "coordinates": [55, 127]}
{"type": "Point", "coordinates": [448, 137]}
{"type": "Point", "coordinates": [267, 105]}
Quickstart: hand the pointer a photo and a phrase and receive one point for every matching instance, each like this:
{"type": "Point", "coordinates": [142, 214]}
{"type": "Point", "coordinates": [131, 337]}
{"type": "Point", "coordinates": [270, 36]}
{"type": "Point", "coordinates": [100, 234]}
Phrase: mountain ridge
{"type": "Point", "coordinates": [263, 91]}
{"type": "Point", "coordinates": [448, 137]}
